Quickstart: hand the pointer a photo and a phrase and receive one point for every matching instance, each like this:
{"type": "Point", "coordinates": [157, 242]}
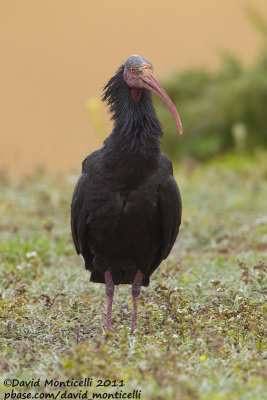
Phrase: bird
{"type": "Point", "coordinates": [126, 206]}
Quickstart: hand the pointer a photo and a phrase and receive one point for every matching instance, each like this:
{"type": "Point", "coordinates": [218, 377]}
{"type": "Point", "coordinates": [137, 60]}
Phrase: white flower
{"type": "Point", "coordinates": [31, 254]}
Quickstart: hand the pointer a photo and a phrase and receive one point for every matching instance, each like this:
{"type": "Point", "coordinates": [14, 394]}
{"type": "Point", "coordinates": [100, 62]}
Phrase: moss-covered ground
{"type": "Point", "coordinates": [201, 331]}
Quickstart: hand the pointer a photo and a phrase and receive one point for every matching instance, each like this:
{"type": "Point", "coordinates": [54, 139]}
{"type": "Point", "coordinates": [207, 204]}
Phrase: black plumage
{"type": "Point", "coordinates": [126, 206]}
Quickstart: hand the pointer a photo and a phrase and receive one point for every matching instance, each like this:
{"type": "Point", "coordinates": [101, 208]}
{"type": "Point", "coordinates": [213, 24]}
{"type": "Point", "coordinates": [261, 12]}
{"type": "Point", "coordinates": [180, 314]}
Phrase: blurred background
{"type": "Point", "coordinates": [57, 55]}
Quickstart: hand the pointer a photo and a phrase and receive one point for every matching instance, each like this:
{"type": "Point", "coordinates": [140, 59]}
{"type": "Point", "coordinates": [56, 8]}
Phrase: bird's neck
{"type": "Point", "coordinates": [132, 151]}
{"type": "Point", "coordinates": [135, 139]}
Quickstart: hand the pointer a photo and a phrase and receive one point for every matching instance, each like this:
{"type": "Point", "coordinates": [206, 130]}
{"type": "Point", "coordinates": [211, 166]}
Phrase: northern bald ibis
{"type": "Point", "coordinates": [126, 206]}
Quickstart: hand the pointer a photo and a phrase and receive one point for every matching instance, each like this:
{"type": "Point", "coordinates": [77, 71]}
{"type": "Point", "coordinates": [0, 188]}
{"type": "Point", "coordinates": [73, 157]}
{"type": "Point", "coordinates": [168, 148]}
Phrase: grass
{"type": "Point", "coordinates": [201, 329]}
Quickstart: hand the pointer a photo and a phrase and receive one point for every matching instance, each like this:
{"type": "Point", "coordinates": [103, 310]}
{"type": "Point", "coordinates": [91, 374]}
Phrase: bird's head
{"type": "Point", "coordinates": [138, 75]}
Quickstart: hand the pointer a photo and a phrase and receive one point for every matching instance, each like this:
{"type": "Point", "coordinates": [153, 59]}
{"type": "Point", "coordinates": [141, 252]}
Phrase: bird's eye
{"type": "Point", "coordinates": [132, 69]}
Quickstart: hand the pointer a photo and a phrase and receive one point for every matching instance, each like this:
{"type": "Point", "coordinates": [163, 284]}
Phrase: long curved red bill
{"type": "Point", "coordinates": [152, 84]}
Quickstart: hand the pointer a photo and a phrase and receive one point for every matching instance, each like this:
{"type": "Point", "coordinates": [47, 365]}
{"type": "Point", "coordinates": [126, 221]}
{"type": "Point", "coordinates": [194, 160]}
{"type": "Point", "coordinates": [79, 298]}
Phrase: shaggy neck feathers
{"type": "Point", "coordinates": [136, 125]}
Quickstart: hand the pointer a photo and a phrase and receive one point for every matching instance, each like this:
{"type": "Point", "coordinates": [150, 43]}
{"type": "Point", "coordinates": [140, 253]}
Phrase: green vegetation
{"type": "Point", "coordinates": [220, 110]}
{"type": "Point", "coordinates": [201, 331]}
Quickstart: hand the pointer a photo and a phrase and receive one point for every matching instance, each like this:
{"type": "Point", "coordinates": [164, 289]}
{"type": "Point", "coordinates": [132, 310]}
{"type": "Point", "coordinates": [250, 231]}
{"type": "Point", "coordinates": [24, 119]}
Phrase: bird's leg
{"type": "Point", "coordinates": [109, 293]}
{"type": "Point", "coordinates": [135, 292]}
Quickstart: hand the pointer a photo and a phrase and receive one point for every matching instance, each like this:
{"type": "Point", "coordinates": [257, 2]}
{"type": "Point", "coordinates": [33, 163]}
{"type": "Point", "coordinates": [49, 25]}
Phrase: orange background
{"type": "Point", "coordinates": [57, 54]}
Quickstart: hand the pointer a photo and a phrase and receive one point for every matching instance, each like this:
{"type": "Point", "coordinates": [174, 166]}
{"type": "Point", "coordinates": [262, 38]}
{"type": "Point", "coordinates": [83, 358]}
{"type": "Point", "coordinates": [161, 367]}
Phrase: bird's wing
{"type": "Point", "coordinates": [170, 208]}
{"type": "Point", "coordinates": [79, 204]}
{"type": "Point", "coordinates": [78, 215]}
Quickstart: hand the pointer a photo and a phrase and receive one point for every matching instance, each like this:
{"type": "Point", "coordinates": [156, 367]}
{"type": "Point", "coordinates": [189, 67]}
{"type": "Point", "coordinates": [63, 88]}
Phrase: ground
{"type": "Point", "coordinates": [201, 323]}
